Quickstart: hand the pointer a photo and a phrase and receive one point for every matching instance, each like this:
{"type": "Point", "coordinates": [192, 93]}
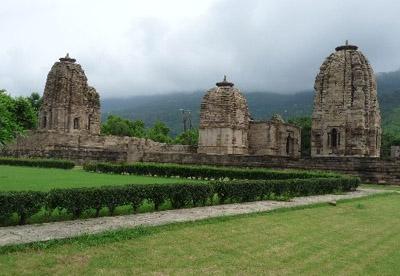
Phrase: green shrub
{"type": "Point", "coordinates": [43, 163]}
{"type": "Point", "coordinates": [78, 200]}
{"type": "Point", "coordinates": [203, 171]}
{"type": "Point", "coordinates": [25, 204]}
{"type": "Point", "coordinates": [250, 190]}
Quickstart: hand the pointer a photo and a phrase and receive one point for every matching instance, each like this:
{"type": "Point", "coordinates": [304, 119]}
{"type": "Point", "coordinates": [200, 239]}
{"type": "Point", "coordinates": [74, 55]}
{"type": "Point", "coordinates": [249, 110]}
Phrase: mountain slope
{"type": "Point", "coordinates": [262, 105]}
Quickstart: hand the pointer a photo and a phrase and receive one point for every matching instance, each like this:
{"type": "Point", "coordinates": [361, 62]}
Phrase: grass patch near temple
{"type": "Point", "coordinates": [381, 187]}
{"type": "Point", "coordinates": [319, 239]}
{"type": "Point", "coordinates": [14, 178]}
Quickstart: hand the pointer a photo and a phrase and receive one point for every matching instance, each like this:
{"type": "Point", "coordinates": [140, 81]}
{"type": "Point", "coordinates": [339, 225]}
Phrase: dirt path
{"type": "Point", "coordinates": [65, 229]}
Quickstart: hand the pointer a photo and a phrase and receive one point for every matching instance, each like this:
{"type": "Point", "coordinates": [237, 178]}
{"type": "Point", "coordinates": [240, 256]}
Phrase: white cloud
{"type": "Point", "coordinates": [136, 47]}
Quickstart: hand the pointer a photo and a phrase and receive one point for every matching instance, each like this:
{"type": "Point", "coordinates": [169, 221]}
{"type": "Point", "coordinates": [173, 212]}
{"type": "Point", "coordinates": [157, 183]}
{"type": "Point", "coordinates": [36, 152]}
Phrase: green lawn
{"type": "Point", "coordinates": [357, 237]}
{"type": "Point", "coordinates": [43, 179]}
{"type": "Point", "coordinates": [381, 187]}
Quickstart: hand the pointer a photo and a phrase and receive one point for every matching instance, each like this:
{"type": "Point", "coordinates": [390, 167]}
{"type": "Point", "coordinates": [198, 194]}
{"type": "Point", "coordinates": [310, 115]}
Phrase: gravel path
{"type": "Point", "coordinates": [65, 229]}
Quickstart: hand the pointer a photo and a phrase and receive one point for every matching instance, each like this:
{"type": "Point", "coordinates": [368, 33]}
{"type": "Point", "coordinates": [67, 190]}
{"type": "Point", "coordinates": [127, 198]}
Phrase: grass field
{"type": "Point", "coordinates": [44, 179]}
{"type": "Point", "coordinates": [381, 187]}
{"type": "Point", "coordinates": [357, 237]}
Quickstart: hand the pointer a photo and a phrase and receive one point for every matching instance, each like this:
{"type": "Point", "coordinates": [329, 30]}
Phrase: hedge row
{"type": "Point", "coordinates": [43, 163]}
{"type": "Point", "coordinates": [78, 200]}
{"type": "Point", "coordinates": [204, 171]}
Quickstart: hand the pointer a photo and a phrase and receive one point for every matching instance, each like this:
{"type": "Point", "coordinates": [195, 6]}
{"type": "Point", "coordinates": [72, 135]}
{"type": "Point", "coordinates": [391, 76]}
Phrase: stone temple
{"type": "Point", "coordinates": [346, 122]}
{"type": "Point", "coordinates": [346, 117]}
{"type": "Point", "coordinates": [69, 104]}
{"type": "Point", "coordinates": [226, 127]}
{"type": "Point", "coordinates": [224, 121]}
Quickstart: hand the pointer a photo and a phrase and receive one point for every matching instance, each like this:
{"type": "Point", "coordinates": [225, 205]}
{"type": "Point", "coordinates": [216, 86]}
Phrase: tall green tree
{"type": "Point", "coordinates": [159, 133]}
{"type": "Point", "coordinates": [16, 115]}
{"type": "Point", "coordinates": [25, 114]}
{"type": "Point", "coordinates": [36, 101]}
{"type": "Point", "coordinates": [190, 137]}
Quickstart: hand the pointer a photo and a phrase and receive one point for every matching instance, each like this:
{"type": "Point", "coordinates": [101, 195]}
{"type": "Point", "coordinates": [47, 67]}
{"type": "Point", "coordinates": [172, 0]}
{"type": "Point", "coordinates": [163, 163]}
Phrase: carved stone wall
{"type": "Point", "coordinates": [226, 127]}
{"type": "Point", "coordinates": [69, 104]}
{"type": "Point", "coordinates": [224, 121]}
{"type": "Point", "coordinates": [346, 118]}
{"type": "Point", "coordinates": [274, 137]}
{"type": "Point", "coordinates": [82, 147]}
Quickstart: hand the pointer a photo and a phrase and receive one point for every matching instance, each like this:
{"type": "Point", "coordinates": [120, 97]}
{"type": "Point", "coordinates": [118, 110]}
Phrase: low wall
{"type": "Point", "coordinates": [371, 170]}
{"type": "Point", "coordinates": [86, 147]}
{"type": "Point", "coordinates": [83, 148]}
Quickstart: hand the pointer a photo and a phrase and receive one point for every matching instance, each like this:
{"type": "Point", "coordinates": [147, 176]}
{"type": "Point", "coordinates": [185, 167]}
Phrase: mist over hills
{"type": "Point", "coordinates": [262, 105]}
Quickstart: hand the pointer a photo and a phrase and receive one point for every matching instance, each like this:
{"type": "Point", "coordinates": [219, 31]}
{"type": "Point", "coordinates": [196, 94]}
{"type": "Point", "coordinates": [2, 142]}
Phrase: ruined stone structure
{"type": "Point", "coordinates": [69, 104]}
{"type": "Point", "coordinates": [274, 138]}
{"type": "Point", "coordinates": [70, 125]}
{"type": "Point", "coordinates": [345, 129]}
{"type": "Point", "coordinates": [226, 127]}
{"type": "Point", "coordinates": [84, 147]}
{"type": "Point", "coordinates": [346, 117]}
{"type": "Point", "coordinates": [224, 121]}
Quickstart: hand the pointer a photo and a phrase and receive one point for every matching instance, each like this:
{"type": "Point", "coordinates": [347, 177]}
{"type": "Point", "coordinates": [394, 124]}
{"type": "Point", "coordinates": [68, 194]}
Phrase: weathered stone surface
{"type": "Point", "coordinates": [346, 117]}
{"type": "Point", "coordinates": [274, 137]}
{"type": "Point", "coordinates": [226, 127]}
{"type": "Point", "coordinates": [395, 152]}
{"type": "Point", "coordinates": [69, 104]}
{"type": "Point", "coordinates": [83, 147]}
{"type": "Point", "coordinates": [224, 121]}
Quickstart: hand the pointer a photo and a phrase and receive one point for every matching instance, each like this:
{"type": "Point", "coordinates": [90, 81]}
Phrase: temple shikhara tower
{"type": "Point", "coordinates": [226, 127]}
{"type": "Point", "coordinates": [224, 121]}
{"type": "Point", "coordinates": [69, 104]}
{"type": "Point", "coordinates": [346, 119]}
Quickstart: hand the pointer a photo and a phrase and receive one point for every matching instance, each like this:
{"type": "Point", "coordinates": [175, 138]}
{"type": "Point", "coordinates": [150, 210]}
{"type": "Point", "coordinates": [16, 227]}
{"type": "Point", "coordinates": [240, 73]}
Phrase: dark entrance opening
{"type": "Point", "coordinates": [334, 138]}
{"type": "Point", "coordinates": [289, 145]}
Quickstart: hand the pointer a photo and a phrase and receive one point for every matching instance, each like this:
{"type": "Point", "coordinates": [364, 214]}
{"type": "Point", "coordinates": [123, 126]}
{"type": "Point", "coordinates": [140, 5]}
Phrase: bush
{"type": "Point", "coordinates": [78, 200]}
{"type": "Point", "coordinates": [243, 191]}
{"type": "Point", "coordinates": [204, 171]}
{"type": "Point", "coordinates": [25, 204]}
{"type": "Point", "coordinates": [42, 163]}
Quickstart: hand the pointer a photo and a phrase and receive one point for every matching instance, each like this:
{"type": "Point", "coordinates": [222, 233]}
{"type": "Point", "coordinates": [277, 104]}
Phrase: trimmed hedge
{"type": "Point", "coordinates": [42, 163]}
{"type": "Point", "coordinates": [204, 172]}
{"type": "Point", "coordinates": [244, 191]}
{"type": "Point", "coordinates": [25, 204]}
{"type": "Point", "coordinates": [78, 200]}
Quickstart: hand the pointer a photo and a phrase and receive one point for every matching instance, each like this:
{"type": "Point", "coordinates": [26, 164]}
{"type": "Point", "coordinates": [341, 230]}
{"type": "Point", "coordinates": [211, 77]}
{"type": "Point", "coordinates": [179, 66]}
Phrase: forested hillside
{"type": "Point", "coordinates": [262, 105]}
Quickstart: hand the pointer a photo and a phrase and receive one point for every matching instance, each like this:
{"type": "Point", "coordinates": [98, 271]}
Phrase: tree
{"type": "Point", "coordinates": [16, 115]}
{"type": "Point", "coordinates": [115, 125]}
{"type": "Point", "coordinates": [305, 124]}
{"type": "Point", "coordinates": [159, 133]}
{"type": "Point", "coordinates": [389, 138]}
{"type": "Point", "coordinates": [8, 123]}
{"type": "Point", "coordinates": [25, 114]}
{"type": "Point", "coordinates": [36, 101]}
{"type": "Point", "coordinates": [190, 137]}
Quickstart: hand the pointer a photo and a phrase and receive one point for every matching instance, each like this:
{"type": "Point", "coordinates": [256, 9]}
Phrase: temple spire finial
{"type": "Point", "coordinates": [224, 83]}
{"type": "Point", "coordinates": [346, 46]}
{"type": "Point", "coordinates": [67, 58]}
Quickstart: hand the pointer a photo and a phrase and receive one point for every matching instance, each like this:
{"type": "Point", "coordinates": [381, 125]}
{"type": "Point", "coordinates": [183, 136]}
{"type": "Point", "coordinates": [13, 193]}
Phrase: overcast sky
{"type": "Point", "coordinates": [141, 47]}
